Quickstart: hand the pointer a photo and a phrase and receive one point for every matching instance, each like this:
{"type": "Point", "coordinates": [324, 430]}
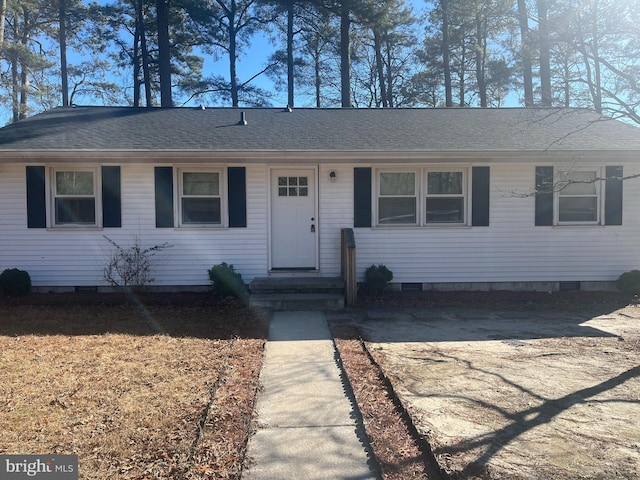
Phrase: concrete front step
{"type": "Point", "coordinates": [297, 285]}
{"type": "Point", "coordinates": [297, 301]}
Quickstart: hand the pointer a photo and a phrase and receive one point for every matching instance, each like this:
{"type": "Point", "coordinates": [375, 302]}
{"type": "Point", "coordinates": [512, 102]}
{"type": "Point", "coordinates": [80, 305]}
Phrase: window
{"type": "Point", "coordinates": [74, 197]}
{"type": "Point", "coordinates": [445, 197]}
{"type": "Point", "coordinates": [424, 197]}
{"type": "Point", "coordinates": [397, 193]}
{"type": "Point", "coordinates": [201, 198]}
{"type": "Point", "coordinates": [578, 197]}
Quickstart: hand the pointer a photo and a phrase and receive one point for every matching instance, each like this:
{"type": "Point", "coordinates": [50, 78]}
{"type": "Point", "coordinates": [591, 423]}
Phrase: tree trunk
{"type": "Point", "coordinates": [390, 101]}
{"type": "Point", "coordinates": [345, 54]}
{"type": "Point", "coordinates": [527, 69]}
{"type": "Point", "coordinates": [22, 82]}
{"type": "Point", "coordinates": [233, 75]}
{"type": "Point", "coordinates": [290, 79]}
{"type": "Point", "coordinates": [145, 56]}
{"type": "Point", "coordinates": [62, 14]}
{"type": "Point", "coordinates": [164, 54]}
{"type": "Point", "coordinates": [3, 16]}
{"type": "Point", "coordinates": [545, 54]}
{"type": "Point", "coordinates": [15, 88]}
{"type": "Point", "coordinates": [597, 91]}
{"type": "Point", "coordinates": [480, 59]}
{"type": "Point", "coordinates": [24, 93]}
{"type": "Point", "coordinates": [137, 85]}
{"type": "Point", "coordinates": [317, 72]}
{"type": "Point", "coordinates": [380, 67]}
{"type": "Point", "coordinates": [444, 5]}
{"type": "Point", "coordinates": [463, 74]}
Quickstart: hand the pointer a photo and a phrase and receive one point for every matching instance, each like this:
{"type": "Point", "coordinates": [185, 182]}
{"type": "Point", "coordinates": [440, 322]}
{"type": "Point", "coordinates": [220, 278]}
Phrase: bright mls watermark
{"type": "Point", "coordinates": [46, 467]}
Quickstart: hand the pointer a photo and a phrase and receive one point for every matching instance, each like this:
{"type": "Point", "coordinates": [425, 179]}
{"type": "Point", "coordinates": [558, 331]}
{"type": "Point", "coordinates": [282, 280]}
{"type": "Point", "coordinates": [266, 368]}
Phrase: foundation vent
{"type": "Point", "coordinates": [411, 287]}
{"type": "Point", "coordinates": [569, 286]}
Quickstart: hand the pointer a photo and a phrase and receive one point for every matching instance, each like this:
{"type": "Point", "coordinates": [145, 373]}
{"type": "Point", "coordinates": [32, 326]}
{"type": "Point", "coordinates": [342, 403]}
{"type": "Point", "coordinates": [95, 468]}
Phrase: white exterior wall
{"type": "Point", "coordinates": [76, 257]}
{"type": "Point", "coordinates": [511, 249]}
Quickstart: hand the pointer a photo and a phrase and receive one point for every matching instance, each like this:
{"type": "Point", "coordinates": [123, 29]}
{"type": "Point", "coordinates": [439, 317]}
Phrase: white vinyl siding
{"type": "Point", "coordinates": [511, 249]}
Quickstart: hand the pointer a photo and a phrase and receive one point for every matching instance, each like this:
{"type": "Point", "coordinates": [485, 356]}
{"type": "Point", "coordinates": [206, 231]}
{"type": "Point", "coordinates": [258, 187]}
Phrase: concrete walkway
{"type": "Point", "coordinates": [306, 426]}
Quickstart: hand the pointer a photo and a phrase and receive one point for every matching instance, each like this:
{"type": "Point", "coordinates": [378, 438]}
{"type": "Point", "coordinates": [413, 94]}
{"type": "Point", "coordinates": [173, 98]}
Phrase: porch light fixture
{"type": "Point", "coordinates": [332, 176]}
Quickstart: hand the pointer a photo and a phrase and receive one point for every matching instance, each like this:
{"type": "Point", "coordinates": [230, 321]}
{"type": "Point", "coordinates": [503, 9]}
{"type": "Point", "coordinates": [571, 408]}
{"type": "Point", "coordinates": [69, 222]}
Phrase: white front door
{"type": "Point", "coordinates": [293, 219]}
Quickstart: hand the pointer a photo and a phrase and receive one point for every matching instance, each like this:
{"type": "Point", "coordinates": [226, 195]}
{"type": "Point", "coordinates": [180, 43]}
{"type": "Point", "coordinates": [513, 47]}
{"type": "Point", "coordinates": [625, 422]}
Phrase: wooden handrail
{"type": "Point", "coordinates": [348, 266]}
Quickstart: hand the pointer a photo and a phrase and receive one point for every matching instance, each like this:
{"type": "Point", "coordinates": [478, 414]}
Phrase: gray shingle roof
{"type": "Point", "coordinates": [385, 130]}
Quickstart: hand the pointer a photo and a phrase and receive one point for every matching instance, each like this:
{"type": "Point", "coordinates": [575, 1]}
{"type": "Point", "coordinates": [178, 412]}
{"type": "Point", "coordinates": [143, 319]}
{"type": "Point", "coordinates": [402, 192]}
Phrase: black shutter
{"type": "Point", "coordinates": [164, 196]}
{"type": "Point", "coordinates": [362, 197]}
{"type": "Point", "coordinates": [613, 196]}
{"type": "Point", "coordinates": [480, 196]}
{"type": "Point", "coordinates": [36, 198]}
{"type": "Point", "coordinates": [111, 197]}
{"type": "Point", "coordinates": [237, 196]}
{"type": "Point", "coordinates": [544, 196]}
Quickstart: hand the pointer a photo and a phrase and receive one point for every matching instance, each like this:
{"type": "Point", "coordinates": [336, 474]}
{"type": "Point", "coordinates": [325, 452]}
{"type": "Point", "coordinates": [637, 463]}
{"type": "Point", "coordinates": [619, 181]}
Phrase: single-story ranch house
{"type": "Point", "coordinates": [445, 198]}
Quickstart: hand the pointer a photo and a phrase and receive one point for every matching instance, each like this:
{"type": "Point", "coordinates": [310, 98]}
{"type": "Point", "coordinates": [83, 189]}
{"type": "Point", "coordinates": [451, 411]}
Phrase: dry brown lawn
{"type": "Point", "coordinates": [159, 389]}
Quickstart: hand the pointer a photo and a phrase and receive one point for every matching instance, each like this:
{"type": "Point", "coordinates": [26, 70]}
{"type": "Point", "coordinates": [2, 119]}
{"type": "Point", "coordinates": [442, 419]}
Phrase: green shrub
{"type": "Point", "coordinates": [15, 282]}
{"type": "Point", "coordinates": [226, 281]}
{"type": "Point", "coordinates": [629, 282]}
{"type": "Point", "coordinates": [376, 278]}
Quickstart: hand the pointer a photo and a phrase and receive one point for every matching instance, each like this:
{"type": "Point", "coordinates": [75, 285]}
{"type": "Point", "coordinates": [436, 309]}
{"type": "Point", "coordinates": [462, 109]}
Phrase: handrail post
{"type": "Point", "coordinates": [348, 266]}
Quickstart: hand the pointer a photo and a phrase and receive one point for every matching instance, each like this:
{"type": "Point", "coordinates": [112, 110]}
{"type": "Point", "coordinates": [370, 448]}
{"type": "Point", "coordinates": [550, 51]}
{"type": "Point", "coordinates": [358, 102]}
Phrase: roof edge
{"type": "Point", "coordinates": [300, 156]}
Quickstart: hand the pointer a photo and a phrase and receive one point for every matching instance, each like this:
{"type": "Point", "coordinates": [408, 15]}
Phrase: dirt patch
{"type": "Point", "coordinates": [517, 394]}
{"type": "Point", "coordinates": [145, 387]}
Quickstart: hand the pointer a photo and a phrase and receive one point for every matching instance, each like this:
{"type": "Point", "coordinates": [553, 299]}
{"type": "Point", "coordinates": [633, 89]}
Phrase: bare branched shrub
{"type": "Point", "coordinates": [130, 266]}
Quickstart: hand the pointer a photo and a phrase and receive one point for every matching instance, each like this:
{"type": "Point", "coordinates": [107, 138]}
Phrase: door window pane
{"type": "Point", "coordinates": [293, 186]}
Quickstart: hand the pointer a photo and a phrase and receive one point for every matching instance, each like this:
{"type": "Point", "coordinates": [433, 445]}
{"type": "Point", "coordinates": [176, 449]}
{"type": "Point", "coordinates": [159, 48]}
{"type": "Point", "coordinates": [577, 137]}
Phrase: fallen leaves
{"type": "Point", "coordinates": [95, 381]}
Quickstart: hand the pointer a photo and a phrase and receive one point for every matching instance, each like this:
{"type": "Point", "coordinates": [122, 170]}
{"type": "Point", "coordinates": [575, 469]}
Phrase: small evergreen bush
{"type": "Point", "coordinates": [15, 282]}
{"type": "Point", "coordinates": [376, 278]}
{"type": "Point", "coordinates": [629, 282]}
{"type": "Point", "coordinates": [226, 281]}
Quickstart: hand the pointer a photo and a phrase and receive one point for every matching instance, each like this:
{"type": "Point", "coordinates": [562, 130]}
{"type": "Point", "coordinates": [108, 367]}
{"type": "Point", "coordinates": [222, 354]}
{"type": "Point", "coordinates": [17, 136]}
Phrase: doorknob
{"type": "Point", "coordinates": [313, 228]}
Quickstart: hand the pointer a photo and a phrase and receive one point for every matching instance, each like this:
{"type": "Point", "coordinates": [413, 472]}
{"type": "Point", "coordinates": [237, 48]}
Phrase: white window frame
{"type": "Point", "coordinates": [53, 196]}
{"type": "Point", "coordinates": [416, 196]}
{"type": "Point", "coordinates": [421, 187]}
{"type": "Point", "coordinates": [464, 195]}
{"type": "Point", "coordinates": [599, 196]}
{"type": "Point", "coordinates": [222, 194]}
